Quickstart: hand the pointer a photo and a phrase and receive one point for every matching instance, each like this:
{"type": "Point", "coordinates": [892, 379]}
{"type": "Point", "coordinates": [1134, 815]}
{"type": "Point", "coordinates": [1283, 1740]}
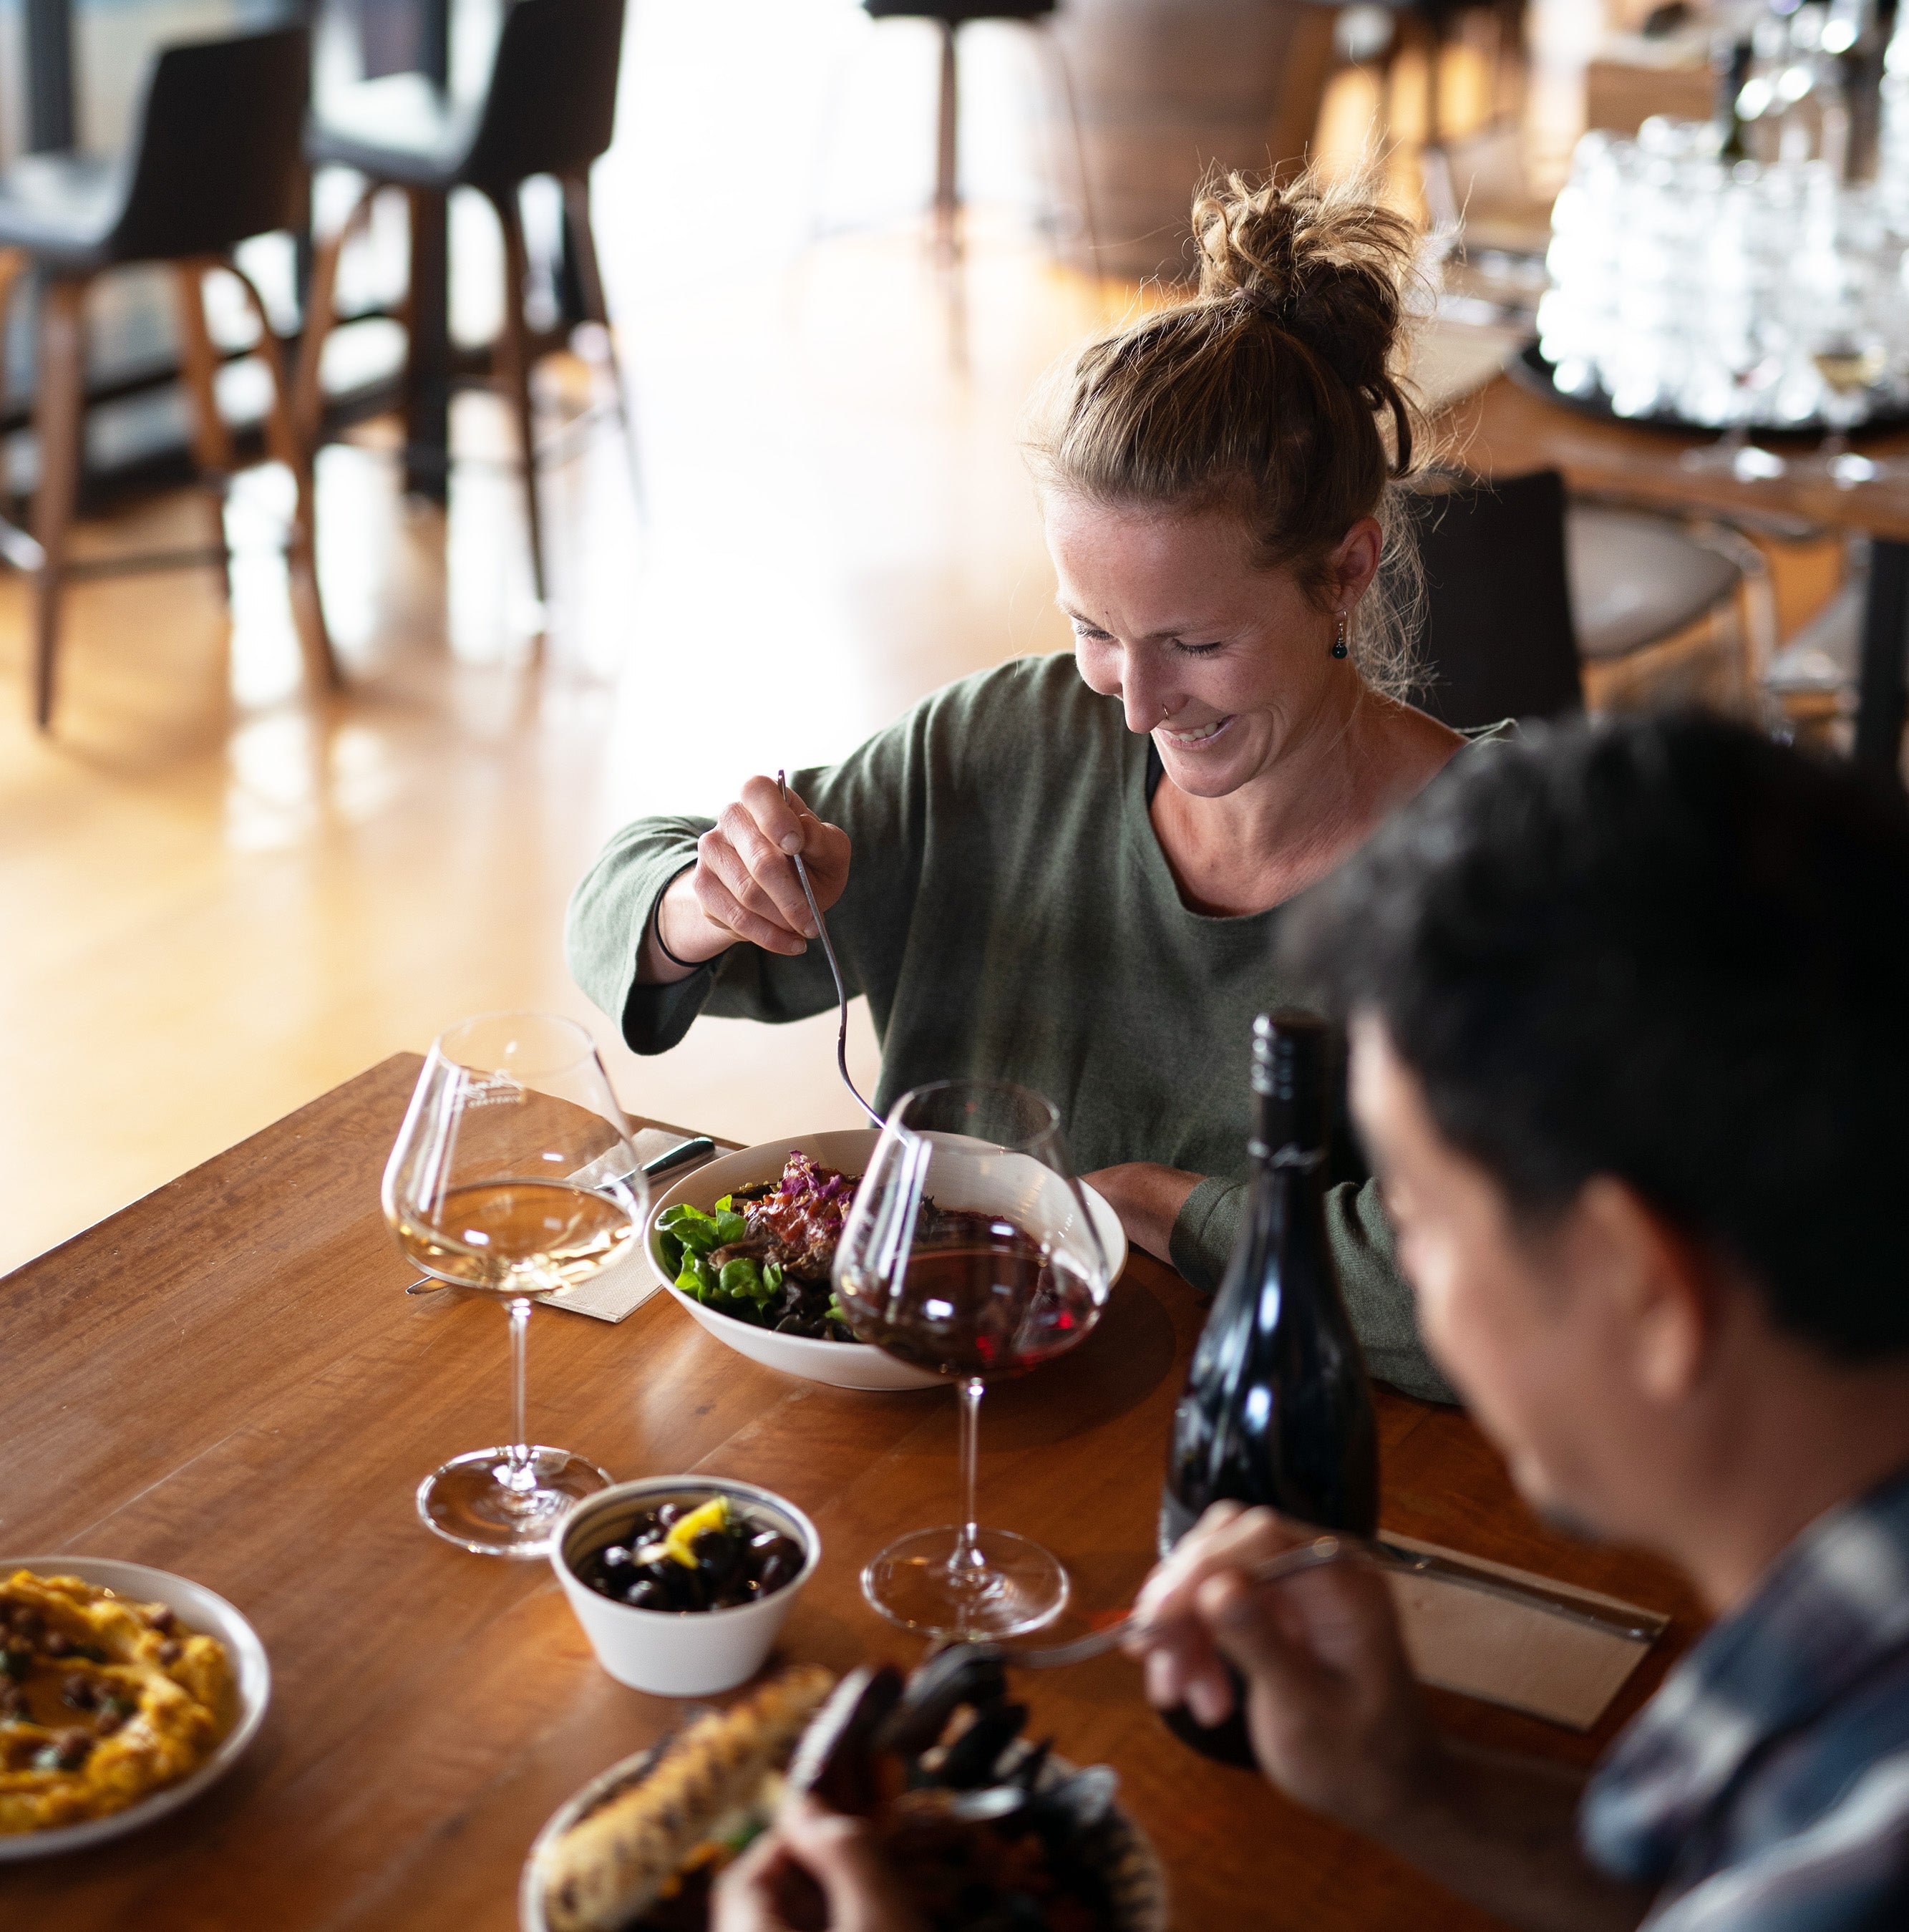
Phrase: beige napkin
{"type": "Point", "coordinates": [1524, 1654]}
{"type": "Point", "coordinates": [620, 1291]}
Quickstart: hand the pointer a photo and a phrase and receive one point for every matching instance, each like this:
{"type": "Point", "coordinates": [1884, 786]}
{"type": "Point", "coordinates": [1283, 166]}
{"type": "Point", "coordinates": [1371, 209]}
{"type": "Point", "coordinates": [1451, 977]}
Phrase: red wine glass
{"type": "Point", "coordinates": [972, 1251]}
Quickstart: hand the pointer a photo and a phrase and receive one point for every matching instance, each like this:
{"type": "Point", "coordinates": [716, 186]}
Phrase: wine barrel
{"type": "Point", "coordinates": [1167, 89]}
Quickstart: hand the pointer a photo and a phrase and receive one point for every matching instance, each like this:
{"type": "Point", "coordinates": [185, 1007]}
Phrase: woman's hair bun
{"type": "Point", "coordinates": [1269, 393]}
{"type": "Point", "coordinates": [1326, 262]}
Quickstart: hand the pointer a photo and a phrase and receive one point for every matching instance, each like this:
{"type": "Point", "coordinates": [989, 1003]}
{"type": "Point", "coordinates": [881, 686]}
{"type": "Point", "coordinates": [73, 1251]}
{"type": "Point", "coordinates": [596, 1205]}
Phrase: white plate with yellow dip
{"type": "Point", "coordinates": [201, 1612]}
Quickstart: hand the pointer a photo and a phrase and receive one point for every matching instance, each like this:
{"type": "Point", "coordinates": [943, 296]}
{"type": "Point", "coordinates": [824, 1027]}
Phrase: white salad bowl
{"type": "Point", "coordinates": [841, 1364]}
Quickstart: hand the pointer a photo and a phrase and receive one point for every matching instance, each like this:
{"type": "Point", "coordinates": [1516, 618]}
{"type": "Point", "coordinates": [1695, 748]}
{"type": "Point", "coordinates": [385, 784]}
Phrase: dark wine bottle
{"type": "Point", "coordinates": [1276, 1408]}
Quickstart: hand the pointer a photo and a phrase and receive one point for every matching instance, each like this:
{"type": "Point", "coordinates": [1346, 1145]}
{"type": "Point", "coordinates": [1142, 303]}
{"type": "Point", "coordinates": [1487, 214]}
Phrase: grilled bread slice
{"type": "Point", "coordinates": [614, 1864]}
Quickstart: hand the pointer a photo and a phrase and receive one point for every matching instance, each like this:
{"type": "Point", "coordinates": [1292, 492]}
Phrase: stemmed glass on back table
{"type": "Point", "coordinates": [513, 1173]}
{"type": "Point", "coordinates": [970, 1251]}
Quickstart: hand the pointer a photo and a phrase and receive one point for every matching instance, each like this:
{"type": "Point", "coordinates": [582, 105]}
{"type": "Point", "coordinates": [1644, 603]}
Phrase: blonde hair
{"type": "Point", "coordinates": [1269, 392]}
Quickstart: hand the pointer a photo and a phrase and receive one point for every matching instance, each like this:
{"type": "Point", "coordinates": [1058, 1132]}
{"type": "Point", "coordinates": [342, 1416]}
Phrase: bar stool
{"type": "Point", "coordinates": [549, 108]}
{"type": "Point", "coordinates": [1535, 608]}
{"type": "Point", "coordinates": [949, 15]}
{"type": "Point", "coordinates": [214, 161]}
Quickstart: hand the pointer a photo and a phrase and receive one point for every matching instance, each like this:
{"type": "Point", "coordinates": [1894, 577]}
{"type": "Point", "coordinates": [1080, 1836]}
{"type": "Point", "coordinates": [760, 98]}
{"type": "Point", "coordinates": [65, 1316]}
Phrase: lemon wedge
{"type": "Point", "coordinates": [713, 1514]}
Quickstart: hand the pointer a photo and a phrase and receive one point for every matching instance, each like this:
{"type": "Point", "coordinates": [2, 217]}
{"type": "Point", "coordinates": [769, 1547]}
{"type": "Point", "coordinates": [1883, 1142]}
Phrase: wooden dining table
{"type": "Point", "coordinates": [226, 1380]}
{"type": "Point", "coordinates": [1507, 429]}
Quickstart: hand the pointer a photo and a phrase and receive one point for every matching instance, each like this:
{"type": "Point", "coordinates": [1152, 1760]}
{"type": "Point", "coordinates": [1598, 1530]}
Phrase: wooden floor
{"type": "Point", "coordinates": [219, 896]}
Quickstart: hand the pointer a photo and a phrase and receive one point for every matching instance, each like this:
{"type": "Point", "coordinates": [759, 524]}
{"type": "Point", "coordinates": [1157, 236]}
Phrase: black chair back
{"type": "Point", "coordinates": [216, 158]}
{"type": "Point", "coordinates": [958, 12]}
{"type": "Point", "coordinates": [552, 105]}
{"type": "Point", "coordinates": [1498, 641]}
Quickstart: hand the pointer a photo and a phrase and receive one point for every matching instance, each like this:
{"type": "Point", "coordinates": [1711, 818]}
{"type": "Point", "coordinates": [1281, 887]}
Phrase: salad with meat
{"type": "Point", "coordinates": [762, 1254]}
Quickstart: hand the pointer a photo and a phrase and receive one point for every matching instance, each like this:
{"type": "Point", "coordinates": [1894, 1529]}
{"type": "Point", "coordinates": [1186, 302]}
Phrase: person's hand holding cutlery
{"type": "Point", "coordinates": [742, 886]}
{"type": "Point", "coordinates": [1337, 1720]}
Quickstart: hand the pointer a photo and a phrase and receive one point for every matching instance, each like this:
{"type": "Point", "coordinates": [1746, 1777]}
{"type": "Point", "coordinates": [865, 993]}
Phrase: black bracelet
{"type": "Point", "coordinates": [657, 934]}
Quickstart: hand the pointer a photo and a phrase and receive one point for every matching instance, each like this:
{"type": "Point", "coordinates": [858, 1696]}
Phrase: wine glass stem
{"type": "Point", "coordinates": [520, 1477]}
{"type": "Point", "coordinates": [967, 1562]}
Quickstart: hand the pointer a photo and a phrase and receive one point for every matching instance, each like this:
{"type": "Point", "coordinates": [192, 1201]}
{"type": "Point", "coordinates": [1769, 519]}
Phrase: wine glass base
{"type": "Point", "coordinates": [1746, 462]}
{"type": "Point", "coordinates": [914, 1583]}
{"type": "Point", "coordinates": [467, 1501]}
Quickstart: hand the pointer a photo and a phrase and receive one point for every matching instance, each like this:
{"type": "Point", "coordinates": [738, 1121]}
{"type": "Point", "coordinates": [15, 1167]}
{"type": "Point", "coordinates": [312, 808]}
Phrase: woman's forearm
{"type": "Point", "coordinates": [1147, 1197]}
{"type": "Point", "coordinates": [680, 924]}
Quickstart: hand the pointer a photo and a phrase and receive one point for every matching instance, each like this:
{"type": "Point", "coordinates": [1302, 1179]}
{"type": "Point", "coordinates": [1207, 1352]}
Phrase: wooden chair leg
{"type": "Point", "coordinates": [307, 401]}
{"type": "Point", "coordinates": [513, 359]}
{"type": "Point", "coordinates": [596, 309]}
{"type": "Point", "coordinates": [289, 448]}
{"type": "Point", "coordinates": [212, 442]}
{"type": "Point", "coordinates": [58, 423]}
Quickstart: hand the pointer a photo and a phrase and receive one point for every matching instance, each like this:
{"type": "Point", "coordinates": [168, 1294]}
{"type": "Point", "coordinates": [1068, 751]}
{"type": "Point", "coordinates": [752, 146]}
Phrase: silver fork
{"type": "Point", "coordinates": [835, 968]}
{"type": "Point", "coordinates": [1338, 1549]}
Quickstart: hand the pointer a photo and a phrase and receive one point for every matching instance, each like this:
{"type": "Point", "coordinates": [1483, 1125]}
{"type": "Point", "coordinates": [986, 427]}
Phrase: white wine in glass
{"type": "Point", "coordinates": [513, 1173]}
{"type": "Point", "coordinates": [1849, 367]}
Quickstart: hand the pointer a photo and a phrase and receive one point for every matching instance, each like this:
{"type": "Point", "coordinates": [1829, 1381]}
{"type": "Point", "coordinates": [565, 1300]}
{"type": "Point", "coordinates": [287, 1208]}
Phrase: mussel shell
{"type": "Point", "coordinates": [974, 1757]}
{"type": "Point", "coordinates": [836, 1760]}
{"type": "Point", "coordinates": [964, 1673]}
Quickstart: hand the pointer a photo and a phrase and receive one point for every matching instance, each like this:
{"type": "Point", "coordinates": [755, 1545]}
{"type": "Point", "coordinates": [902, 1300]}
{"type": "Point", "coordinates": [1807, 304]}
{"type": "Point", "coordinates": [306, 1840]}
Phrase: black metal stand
{"type": "Point", "coordinates": [50, 117]}
{"type": "Point", "coordinates": [1884, 670]}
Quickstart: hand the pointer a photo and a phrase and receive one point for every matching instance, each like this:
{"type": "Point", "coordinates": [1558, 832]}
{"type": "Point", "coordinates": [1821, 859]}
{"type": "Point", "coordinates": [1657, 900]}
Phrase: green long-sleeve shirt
{"type": "Point", "coordinates": [1010, 915]}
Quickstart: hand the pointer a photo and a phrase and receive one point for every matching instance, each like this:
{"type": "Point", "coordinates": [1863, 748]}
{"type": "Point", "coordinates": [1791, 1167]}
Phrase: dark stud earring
{"type": "Point", "coordinates": [1339, 645]}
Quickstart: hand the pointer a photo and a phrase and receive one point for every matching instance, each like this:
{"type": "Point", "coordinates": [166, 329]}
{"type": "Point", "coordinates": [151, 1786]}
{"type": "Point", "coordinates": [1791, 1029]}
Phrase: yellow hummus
{"type": "Point", "coordinates": [102, 1701]}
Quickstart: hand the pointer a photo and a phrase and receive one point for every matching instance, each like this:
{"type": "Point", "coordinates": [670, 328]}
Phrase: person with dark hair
{"type": "Point", "coordinates": [1629, 1012]}
{"type": "Point", "coordinates": [1629, 1009]}
{"type": "Point", "coordinates": [1069, 871]}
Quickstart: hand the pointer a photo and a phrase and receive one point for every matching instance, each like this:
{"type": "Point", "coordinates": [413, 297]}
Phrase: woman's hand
{"type": "Point", "coordinates": [1336, 1720]}
{"type": "Point", "coordinates": [1147, 1197]}
{"type": "Point", "coordinates": [743, 886]}
{"type": "Point", "coordinates": [815, 1869]}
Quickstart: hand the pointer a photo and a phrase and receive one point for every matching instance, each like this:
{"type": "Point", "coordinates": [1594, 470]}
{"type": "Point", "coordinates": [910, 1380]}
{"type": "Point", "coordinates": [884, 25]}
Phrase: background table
{"type": "Point", "coordinates": [225, 1380]}
{"type": "Point", "coordinates": [1505, 430]}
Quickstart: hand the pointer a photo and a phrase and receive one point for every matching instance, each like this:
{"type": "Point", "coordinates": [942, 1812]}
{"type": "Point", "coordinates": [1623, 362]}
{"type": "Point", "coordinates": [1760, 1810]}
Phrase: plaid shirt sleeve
{"type": "Point", "coordinates": [1766, 1787]}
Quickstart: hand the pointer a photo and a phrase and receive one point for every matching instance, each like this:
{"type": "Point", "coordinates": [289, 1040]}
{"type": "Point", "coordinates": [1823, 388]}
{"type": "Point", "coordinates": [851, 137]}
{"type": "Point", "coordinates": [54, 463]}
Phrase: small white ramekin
{"type": "Point", "coordinates": [677, 1653]}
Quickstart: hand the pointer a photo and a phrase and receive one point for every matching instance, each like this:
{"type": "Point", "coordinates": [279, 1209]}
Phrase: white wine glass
{"type": "Point", "coordinates": [1850, 359]}
{"type": "Point", "coordinates": [970, 1251]}
{"type": "Point", "coordinates": [513, 1173]}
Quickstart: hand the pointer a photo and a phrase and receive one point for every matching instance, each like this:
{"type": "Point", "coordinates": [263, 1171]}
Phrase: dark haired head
{"type": "Point", "coordinates": [1669, 951]}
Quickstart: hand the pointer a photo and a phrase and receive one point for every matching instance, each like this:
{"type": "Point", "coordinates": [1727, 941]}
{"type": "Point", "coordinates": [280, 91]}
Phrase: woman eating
{"type": "Point", "coordinates": [1070, 873]}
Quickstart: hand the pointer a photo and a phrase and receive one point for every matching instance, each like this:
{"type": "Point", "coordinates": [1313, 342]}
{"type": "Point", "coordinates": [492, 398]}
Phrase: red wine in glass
{"type": "Point", "coordinates": [970, 1251]}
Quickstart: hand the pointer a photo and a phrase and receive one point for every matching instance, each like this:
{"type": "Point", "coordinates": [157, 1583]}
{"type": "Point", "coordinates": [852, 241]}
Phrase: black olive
{"type": "Point", "coordinates": [774, 1572]}
{"type": "Point", "coordinates": [716, 1550]}
{"type": "Point", "coordinates": [665, 1516]}
{"type": "Point", "coordinates": [616, 1557]}
{"type": "Point", "coordinates": [645, 1595]}
{"type": "Point", "coordinates": [738, 1590]}
{"type": "Point", "coordinates": [768, 1543]}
